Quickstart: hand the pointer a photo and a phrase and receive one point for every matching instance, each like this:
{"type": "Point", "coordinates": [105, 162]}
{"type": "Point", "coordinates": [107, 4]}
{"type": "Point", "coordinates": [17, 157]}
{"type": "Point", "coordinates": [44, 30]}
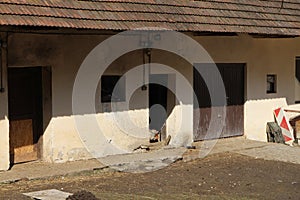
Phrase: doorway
{"type": "Point", "coordinates": [233, 75]}
{"type": "Point", "coordinates": [25, 95]}
{"type": "Point", "coordinates": [158, 101]}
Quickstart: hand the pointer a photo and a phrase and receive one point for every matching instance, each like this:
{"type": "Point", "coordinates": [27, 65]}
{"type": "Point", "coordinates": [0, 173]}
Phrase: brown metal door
{"type": "Point", "coordinates": [25, 113]}
{"type": "Point", "coordinates": [233, 79]}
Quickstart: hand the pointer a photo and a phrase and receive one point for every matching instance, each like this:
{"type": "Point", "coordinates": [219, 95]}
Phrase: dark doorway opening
{"type": "Point", "coordinates": [158, 101]}
{"type": "Point", "coordinates": [25, 94]}
{"type": "Point", "coordinates": [233, 75]}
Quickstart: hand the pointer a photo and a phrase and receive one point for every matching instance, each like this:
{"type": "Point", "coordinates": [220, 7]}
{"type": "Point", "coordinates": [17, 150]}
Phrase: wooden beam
{"type": "Point", "coordinates": [295, 111]}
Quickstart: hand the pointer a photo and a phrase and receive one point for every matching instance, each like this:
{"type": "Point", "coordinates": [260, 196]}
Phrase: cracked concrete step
{"type": "Point", "coordinates": [139, 162]}
{"type": "Point", "coordinates": [143, 162]}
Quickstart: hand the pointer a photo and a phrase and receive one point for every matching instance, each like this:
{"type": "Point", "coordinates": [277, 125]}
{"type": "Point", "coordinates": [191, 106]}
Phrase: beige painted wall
{"type": "Point", "coordinates": [65, 53]}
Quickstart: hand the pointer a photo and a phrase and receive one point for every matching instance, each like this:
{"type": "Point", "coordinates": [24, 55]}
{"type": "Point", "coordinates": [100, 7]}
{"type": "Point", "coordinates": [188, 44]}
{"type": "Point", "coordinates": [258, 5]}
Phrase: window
{"type": "Point", "coordinates": [298, 68]}
{"type": "Point", "coordinates": [271, 83]}
{"type": "Point", "coordinates": [110, 91]}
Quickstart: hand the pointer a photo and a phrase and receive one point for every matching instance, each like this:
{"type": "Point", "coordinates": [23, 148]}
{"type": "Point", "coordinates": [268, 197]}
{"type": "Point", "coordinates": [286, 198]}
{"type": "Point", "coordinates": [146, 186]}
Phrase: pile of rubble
{"type": "Point", "coordinates": [82, 195]}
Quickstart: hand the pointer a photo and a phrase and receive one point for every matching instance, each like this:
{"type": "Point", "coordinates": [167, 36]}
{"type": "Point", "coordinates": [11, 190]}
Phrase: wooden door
{"type": "Point", "coordinates": [25, 112]}
{"type": "Point", "coordinates": [233, 79]}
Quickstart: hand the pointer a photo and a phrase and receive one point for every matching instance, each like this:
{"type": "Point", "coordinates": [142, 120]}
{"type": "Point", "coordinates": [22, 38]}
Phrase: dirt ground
{"type": "Point", "coordinates": [219, 176]}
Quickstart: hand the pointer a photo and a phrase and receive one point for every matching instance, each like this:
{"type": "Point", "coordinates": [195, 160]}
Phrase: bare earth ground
{"type": "Point", "coordinates": [218, 176]}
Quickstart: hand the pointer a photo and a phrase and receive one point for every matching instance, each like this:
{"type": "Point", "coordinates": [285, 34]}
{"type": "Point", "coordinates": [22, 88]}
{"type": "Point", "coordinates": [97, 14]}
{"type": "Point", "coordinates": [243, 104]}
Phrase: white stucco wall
{"type": "Point", "coordinates": [65, 53]}
{"type": "Point", "coordinates": [262, 57]}
{"type": "Point", "coordinates": [258, 113]}
{"type": "Point", "coordinates": [179, 124]}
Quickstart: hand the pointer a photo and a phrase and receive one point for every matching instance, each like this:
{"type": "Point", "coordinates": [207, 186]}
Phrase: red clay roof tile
{"type": "Point", "coordinates": [249, 16]}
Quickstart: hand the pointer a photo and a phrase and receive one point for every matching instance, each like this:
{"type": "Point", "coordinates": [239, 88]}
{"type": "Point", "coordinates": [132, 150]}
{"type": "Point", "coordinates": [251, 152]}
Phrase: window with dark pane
{"type": "Point", "coordinates": [271, 83]}
{"type": "Point", "coordinates": [298, 68]}
{"type": "Point", "coordinates": [110, 90]}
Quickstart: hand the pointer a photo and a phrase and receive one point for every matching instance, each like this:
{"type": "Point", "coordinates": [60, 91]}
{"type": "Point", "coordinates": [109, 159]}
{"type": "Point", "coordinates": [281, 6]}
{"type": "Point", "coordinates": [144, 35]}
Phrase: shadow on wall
{"type": "Point", "coordinates": [65, 55]}
{"type": "Point", "coordinates": [123, 98]}
{"type": "Point", "coordinates": [147, 105]}
{"type": "Point", "coordinates": [3, 115]}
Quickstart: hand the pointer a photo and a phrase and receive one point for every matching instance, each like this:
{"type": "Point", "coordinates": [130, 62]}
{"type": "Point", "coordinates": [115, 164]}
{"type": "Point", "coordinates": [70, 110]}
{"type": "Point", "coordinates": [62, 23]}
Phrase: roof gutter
{"type": "Point", "coordinates": [256, 35]}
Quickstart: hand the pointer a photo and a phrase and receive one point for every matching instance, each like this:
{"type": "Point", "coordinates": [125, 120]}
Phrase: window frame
{"type": "Point", "coordinates": [110, 86]}
{"type": "Point", "coordinates": [271, 86]}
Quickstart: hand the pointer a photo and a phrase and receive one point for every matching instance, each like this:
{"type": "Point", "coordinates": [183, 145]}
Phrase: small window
{"type": "Point", "coordinates": [298, 68]}
{"type": "Point", "coordinates": [271, 83]}
{"type": "Point", "coordinates": [108, 91]}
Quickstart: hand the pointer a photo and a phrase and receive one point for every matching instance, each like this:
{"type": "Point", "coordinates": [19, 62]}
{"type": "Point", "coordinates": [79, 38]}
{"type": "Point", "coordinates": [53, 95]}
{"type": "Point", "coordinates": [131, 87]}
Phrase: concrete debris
{"type": "Point", "coordinates": [155, 138]}
{"type": "Point", "coordinates": [143, 162]}
{"type": "Point", "coordinates": [156, 135]}
{"type": "Point", "coordinates": [51, 194]}
{"type": "Point", "coordinates": [145, 165]}
{"type": "Point", "coordinates": [274, 133]}
{"type": "Point", "coordinates": [141, 148]}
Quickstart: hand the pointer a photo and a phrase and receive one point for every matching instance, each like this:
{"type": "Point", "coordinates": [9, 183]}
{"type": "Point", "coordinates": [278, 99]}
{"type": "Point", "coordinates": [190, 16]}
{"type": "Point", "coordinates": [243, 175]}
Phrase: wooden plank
{"type": "Point", "coordinates": [22, 147]}
{"type": "Point", "coordinates": [234, 122]}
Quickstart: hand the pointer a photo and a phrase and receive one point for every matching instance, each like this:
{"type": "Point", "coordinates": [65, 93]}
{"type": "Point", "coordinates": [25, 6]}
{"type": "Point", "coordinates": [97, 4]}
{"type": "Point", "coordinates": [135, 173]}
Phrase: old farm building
{"type": "Point", "coordinates": [254, 44]}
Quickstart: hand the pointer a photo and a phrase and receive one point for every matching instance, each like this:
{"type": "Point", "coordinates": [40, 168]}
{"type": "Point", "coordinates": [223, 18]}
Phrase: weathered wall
{"type": "Point", "coordinates": [65, 53]}
{"type": "Point", "coordinates": [262, 57]}
{"type": "Point", "coordinates": [4, 123]}
{"type": "Point", "coordinates": [179, 124]}
{"type": "Point", "coordinates": [125, 135]}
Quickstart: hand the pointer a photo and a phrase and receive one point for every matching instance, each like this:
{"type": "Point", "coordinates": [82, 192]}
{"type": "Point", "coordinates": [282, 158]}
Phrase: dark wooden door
{"type": "Point", "coordinates": [158, 101]}
{"type": "Point", "coordinates": [25, 112]}
{"type": "Point", "coordinates": [233, 79]}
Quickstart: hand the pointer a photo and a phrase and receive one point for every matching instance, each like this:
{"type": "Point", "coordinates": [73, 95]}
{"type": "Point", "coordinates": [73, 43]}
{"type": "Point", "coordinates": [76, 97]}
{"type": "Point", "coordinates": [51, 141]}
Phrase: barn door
{"type": "Point", "coordinates": [25, 112]}
{"type": "Point", "coordinates": [233, 79]}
